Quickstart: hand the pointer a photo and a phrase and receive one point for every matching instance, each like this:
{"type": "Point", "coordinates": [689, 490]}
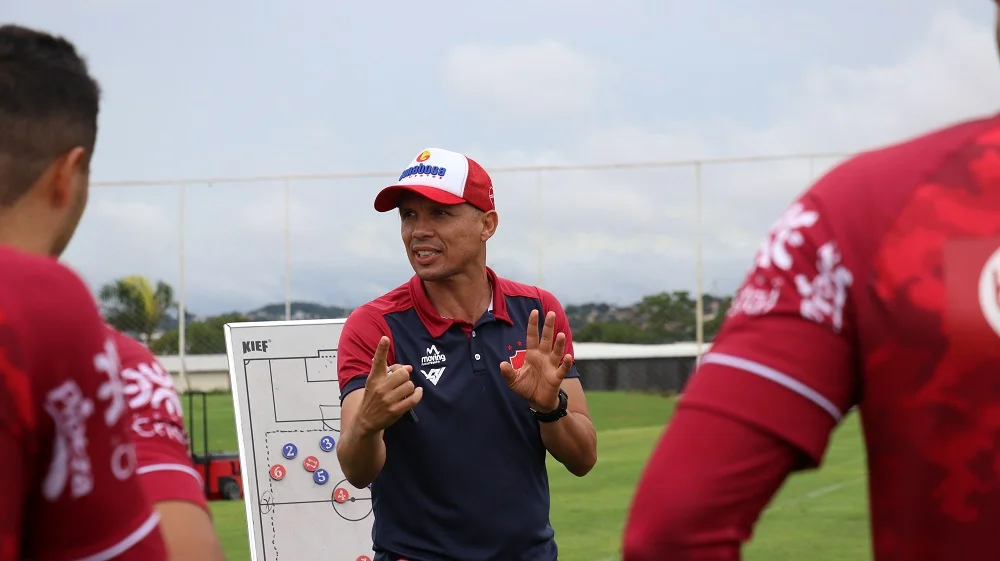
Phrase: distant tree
{"type": "Point", "coordinates": [133, 305]}
{"type": "Point", "coordinates": [711, 327]}
{"type": "Point", "coordinates": [668, 316]}
{"type": "Point", "coordinates": [610, 332]}
{"type": "Point", "coordinates": [203, 337]}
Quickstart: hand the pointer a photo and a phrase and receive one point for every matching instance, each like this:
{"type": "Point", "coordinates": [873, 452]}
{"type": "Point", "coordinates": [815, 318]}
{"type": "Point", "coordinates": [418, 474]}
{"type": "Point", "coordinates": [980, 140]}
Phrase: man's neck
{"type": "Point", "coordinates": [18, 231]}
{"type": "Point", "coordinates": [464, 298]}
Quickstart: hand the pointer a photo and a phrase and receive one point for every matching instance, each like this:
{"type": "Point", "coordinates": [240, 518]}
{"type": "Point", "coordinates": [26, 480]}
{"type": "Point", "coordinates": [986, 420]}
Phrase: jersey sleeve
{"type": "Point", "coordinates": [165, 466]}
{"type": "Point", "coordinates": [784, 360]}
{"type": "Point", "coordinates": [704, 488]}
{"type": "Point", "coordinates": [362, 331]}
{"type": "Point", "coordinates": [86, 485]}
{"type": "Point", "coordinates": [561, 325]}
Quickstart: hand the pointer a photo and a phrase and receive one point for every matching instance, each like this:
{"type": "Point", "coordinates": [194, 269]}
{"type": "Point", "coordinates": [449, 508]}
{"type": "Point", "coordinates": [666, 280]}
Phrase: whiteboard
{"type": "Point", "coordinates": [287, 403]}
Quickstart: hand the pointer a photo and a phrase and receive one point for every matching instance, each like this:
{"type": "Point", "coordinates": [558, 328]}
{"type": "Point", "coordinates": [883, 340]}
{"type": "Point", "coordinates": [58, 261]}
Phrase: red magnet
{"type": "Point", "coordinates": [277, 472]}
{"type": "Point", "coordinates": [341, 495]}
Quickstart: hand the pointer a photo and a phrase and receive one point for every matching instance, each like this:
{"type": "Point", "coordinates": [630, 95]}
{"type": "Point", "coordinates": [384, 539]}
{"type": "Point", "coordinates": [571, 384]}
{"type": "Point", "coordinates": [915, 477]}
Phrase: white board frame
{"type": "Point", "coordinates": [240, 391]}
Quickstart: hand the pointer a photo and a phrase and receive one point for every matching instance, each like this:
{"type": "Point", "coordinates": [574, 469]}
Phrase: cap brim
{"type": "Point", "coordinates": [388, 198]}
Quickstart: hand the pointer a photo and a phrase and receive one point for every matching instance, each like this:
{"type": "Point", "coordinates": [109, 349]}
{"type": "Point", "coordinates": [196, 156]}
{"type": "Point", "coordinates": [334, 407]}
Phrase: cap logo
{"type": "Point", "coordinates": [421, 169]}
{"type": "Point", "coordinates": [424, 156]}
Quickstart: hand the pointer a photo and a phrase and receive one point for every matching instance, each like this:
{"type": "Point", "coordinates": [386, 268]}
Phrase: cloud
{"type": "Point", "coordinates": [598, 219]}
{"type": "Point", "coordinates": [613, 234]}
{"type": "Point", "coordinates": [541, 80]}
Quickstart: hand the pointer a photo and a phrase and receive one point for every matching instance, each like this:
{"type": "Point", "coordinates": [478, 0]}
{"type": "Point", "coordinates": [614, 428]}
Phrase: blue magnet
{"type": "Point", "coordinates": [320, 476]}
{"type": "Point", "coordinates": [327, 443]}
{"type": "Point", "coordinates": [289, 451]}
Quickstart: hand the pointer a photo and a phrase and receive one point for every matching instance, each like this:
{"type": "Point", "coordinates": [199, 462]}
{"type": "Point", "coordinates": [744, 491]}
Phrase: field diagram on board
{"type": "Point", "coordinates": [299, 505]}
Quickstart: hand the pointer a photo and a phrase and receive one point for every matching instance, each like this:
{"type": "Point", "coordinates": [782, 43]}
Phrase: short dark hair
{"type": "Point", "coordinates": [48, 106]}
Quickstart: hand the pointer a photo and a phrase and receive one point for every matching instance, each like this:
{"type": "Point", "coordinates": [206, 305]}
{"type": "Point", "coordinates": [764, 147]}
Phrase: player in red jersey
{"type": "Point", "coordinates": [165, 465]}
{"type": "Point", "coordinates": [67, 478]}
{"type": "Point", "coordinates": [878, 288]}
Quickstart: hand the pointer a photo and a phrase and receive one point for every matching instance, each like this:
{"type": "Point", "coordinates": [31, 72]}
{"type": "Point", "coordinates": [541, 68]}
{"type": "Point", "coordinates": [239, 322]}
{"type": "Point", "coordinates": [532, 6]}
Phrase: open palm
{"type": "Point", "coordinates": [545, 366]}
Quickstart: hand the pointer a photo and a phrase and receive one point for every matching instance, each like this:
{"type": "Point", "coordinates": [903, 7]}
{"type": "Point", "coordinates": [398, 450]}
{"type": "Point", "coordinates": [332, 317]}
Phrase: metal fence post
{"type": "Point", "coordinates": [541, 225]}
{"type": "Point", "coordinates": [181, 310]}
{"type": "Point", "coordinates": [288, 250]}
{"type": "Point", "coordinates": [699, 317]}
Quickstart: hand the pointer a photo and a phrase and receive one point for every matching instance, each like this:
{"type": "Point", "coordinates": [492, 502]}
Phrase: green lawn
{"type": "Point", "coordinates": [820, 516]}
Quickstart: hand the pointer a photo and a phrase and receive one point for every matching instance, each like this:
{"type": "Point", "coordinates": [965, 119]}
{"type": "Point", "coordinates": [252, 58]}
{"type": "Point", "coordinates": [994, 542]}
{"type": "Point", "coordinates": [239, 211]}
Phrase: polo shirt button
{"type": "Point", "coordinates": [477, 356]}
{"type": "Point", "coordinates": [473, 333]}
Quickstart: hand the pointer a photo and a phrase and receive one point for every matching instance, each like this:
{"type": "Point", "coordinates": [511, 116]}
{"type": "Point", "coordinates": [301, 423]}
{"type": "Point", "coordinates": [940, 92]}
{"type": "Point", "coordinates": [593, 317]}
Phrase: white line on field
{"type": "Point", "coordinates": [821, 491]}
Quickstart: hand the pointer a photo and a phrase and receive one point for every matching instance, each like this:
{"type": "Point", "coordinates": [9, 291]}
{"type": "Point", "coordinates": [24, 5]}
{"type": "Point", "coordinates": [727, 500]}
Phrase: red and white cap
{"type": "Point", "coordinates": [444, 177]}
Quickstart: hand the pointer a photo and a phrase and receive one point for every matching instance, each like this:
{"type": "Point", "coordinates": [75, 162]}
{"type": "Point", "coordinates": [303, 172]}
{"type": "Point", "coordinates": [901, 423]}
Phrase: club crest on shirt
{"type": "Point", "coordinates": [989, 291]}
{"type": "Point", "coordinates": [972, 282]}
{"type": "Point", "coordinates": [517, 360]}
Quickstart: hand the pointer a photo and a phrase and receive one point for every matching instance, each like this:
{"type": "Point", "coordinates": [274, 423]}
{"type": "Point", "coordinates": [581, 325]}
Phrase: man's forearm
{"type": "Point", "coordinates": [572, 441]}
{"type": "Point", "coordinates": [361, 455]}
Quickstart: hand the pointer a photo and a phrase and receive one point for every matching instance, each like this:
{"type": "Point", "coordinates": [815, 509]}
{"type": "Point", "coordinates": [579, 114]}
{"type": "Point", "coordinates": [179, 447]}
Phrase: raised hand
{"type": "Point", "coordinates": [545, 366]}
{"type": "Point", "coordinates": [389, 393]}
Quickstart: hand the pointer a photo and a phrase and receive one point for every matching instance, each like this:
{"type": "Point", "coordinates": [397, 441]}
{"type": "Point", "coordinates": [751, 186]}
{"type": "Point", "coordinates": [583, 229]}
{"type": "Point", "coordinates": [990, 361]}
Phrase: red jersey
{"type": "Point", "coordinates": [878, 288]}
{"type": "Point", "coordinates": [165, 465]}
{"type": "Point", "coordinates": [67, 475]}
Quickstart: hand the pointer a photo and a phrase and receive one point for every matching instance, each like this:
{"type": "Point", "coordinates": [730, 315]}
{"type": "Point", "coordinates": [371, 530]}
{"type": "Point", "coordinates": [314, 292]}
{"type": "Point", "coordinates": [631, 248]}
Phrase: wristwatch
{"type": "Point", "coordinates": [558, 413]}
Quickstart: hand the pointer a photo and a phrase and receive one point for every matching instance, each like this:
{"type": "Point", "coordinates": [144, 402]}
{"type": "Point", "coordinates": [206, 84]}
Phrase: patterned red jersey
{"type": "Point", "coordinates": [880, 288]}
{"type": "Point", "coordinates": [165, 465]}
{"type": "Point", "coordinates": [67, 474]}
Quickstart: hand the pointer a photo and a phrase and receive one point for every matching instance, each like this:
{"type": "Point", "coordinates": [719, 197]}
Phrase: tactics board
{"type": "Point", "coordinates": [287, 401]}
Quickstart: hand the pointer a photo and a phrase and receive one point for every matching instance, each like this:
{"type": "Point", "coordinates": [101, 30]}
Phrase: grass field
{"type": "Point", "coordinates": [820, 516]}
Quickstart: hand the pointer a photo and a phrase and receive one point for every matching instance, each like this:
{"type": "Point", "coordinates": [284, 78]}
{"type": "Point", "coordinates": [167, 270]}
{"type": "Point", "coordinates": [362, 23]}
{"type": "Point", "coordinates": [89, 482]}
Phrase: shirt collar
{"type": "Point", "coordinates": [436, 324]}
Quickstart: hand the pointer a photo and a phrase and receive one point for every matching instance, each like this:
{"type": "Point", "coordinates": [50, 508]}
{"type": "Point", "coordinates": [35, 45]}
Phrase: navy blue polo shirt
{"type": "Point", "coordinates": [468, 481]}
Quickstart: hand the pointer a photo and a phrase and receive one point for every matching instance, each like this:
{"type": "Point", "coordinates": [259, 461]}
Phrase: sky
{"type": "Point", "coordinates": [241, 93]}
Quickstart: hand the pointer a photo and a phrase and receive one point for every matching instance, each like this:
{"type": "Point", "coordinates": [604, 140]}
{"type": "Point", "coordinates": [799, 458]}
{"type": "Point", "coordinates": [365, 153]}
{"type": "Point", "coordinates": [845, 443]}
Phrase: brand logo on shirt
{"type": "Point", "coordinates": [989, 291]}
{"type": "Point", "coordinates": [154, 403]}
{"type": "Point", "coordinates": [149, 385]}
{"type": "Point", "coordinates": [113, 389]}
{"type": "Point", "coordinates": [433, 375]}
{"type": "Point", "coordinates": [433, 357]}
{"type": "Point", "coordinates": [259, 346]}
{"type": "Point", "coordinates": [69, 409]}
{"type": "Point", "coordinates": [825, 295]}
{"type": "Point", "coordinates": [785, 233]}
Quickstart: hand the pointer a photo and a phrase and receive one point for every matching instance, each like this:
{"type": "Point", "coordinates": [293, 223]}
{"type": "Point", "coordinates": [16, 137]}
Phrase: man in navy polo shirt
{"type": "Point", "coordinates": [456, 384]}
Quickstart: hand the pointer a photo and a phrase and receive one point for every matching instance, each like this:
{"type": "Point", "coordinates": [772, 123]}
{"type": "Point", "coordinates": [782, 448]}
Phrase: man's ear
{"type": "Point", "coordinates": [490, 220]}
{"type": "Point", "coordinates": [63, 177]}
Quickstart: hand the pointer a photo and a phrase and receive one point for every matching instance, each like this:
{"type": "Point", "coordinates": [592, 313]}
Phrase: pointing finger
{"type": "Point", "coordinates": [379, 360]}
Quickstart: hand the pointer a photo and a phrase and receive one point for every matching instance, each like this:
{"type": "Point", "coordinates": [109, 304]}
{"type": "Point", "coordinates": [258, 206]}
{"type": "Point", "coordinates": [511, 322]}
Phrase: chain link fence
{"type": "Point", "coordinates": [172, 262]}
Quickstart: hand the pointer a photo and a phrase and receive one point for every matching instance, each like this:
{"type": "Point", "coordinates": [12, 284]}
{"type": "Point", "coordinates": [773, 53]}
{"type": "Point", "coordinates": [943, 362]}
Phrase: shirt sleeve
{"type": "Point", "coordinates": [165, 466]}
{"type": "Point", "coordinates": [362, 331]}
{"type": "Point", "coordinates": [561, 325]}
{"type": "Point", "coordinates": [704, 510]}
{"type": "Point", "coordinates": [784, 359]}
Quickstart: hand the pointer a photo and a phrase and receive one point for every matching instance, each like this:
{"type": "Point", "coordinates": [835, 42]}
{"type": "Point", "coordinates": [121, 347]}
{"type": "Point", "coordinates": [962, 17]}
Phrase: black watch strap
{"type": "Point", "coordinates": [558, 413]}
